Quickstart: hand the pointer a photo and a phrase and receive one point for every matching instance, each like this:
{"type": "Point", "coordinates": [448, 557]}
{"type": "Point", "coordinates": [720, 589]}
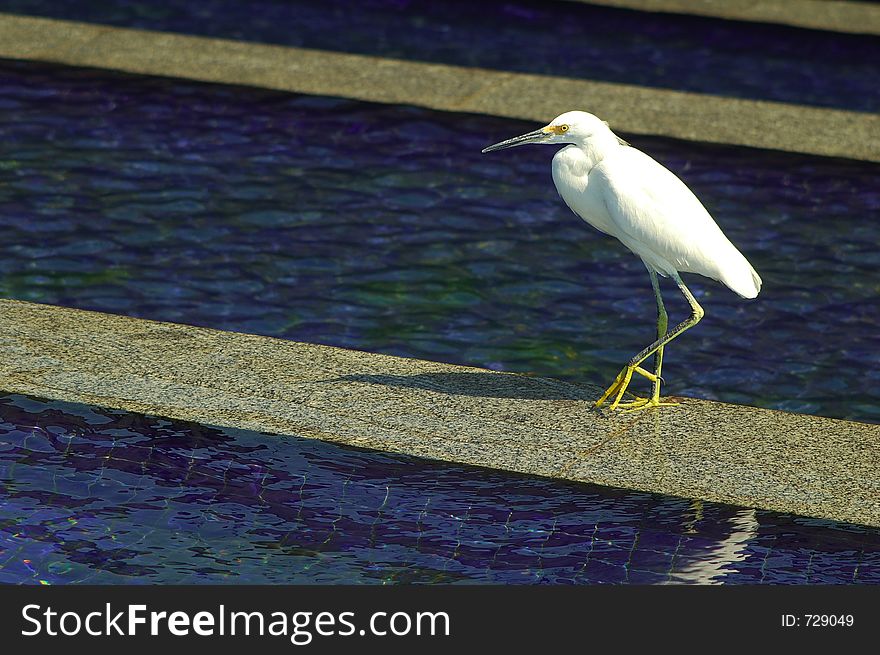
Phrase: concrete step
{"type": "Point", "coordinates": [629, 108]}
{"type": "Point", "coordinates": [712, 451]}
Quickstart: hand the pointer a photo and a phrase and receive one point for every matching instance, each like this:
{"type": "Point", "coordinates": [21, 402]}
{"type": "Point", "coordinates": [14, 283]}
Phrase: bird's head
{"type": "Point", "coordinates": [575, 127]}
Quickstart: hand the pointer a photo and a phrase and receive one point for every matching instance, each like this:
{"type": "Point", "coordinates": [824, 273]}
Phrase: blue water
{"type": "Point", "coordinates": [385, 229]}
{"type": "Point", "coordinates": [689, 53]}
{"type": "Point", "coordinates": [93, 495]}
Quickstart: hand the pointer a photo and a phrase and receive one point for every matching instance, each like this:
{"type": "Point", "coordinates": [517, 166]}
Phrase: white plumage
{"type": "Point", "coordinates": [626, 194]}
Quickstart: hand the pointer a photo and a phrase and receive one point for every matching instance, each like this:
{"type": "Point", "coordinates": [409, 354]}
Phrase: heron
{"type": "Point", "coordinates": [626, 194]}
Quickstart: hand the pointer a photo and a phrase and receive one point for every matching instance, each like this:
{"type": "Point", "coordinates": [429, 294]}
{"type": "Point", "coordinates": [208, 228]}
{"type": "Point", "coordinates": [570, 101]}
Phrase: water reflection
{"type": "Point", "coordinates": [713, 565]}
{"type": "Point", "coordinates": [101, 496]}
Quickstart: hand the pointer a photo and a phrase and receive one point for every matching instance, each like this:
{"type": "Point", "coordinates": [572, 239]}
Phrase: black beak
{"type": "Point", "coordinates": [531, 137]}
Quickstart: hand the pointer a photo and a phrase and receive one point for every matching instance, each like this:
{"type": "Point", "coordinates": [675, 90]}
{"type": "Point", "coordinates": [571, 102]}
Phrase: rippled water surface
{"type": "Point", "coordinates": [689, 53]}
{"type": "Point", "coordinates": [383, 228]}
{"type": "Point", "coordinates": [99, 496]}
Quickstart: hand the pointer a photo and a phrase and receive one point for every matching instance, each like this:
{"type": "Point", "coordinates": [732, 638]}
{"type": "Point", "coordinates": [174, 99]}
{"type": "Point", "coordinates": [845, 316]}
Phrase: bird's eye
{"type": "Point", "coordinates": [563, 128]}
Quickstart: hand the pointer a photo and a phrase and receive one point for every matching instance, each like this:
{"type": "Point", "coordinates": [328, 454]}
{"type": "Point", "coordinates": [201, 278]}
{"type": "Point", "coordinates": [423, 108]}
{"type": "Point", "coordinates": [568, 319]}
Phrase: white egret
{"type": "Point", "coordinates": [626, 194]}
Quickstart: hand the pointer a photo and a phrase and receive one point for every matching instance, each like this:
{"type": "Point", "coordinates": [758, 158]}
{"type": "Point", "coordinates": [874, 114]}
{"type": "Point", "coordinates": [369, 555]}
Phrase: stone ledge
{"type": "Point", "coordinates": [629, 109]}
{"type": "Point", "coordinates": [829, 15]}
{"type": "Point", "coordinates": [717, 452]}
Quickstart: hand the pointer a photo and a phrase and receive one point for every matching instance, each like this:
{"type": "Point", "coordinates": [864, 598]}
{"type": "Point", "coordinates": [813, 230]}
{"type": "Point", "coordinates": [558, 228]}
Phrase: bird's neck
{"type": "Point", "coordinates": [599, 146]}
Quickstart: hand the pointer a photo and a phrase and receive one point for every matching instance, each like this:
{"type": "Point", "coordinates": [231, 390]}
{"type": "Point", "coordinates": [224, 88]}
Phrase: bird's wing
{"type": "Point", "coordinates": [659, 218]}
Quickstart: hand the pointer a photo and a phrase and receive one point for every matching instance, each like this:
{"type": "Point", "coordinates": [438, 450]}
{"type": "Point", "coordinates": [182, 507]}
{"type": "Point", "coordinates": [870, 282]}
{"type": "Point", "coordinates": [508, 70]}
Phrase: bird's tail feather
{"type": "Point", "coordinates": [742, 279]}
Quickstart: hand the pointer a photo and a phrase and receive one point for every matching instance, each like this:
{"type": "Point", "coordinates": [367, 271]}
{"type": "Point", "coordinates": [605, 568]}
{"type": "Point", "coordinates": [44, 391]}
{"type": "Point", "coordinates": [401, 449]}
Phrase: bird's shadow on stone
{"type": "Point", "coordinates": [488, 385]}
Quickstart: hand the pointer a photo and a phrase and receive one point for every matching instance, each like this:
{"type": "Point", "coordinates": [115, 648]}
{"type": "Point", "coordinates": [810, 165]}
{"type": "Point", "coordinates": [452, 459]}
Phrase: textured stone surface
{"type": "Point", "coordinates": [634, 109]}
{"type": "Point", "coordinates": [725, 453]}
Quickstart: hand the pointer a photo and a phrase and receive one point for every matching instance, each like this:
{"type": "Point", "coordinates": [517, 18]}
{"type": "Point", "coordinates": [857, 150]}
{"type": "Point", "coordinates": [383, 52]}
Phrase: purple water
{"type": "Point", "coordinates": [689, 53]}
{"type": "Point", "coordinates": [384, 228]}
{"type": "Point", "coordinates": [99, 496]}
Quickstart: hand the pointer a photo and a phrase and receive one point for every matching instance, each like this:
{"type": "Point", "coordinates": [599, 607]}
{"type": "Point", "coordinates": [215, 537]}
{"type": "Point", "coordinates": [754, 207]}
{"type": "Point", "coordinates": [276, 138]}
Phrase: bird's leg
{"type": "Point", "coordinates": [662, 324]}
{"type": "Point", "coordinates": [620, 384]}
{"type": "Point", "coordinates": [622, 381]}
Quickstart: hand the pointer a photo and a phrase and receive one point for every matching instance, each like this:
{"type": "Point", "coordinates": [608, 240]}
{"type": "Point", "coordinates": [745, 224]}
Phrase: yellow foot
{"type": "Point", "coordinates": [619, 386]}
{"type": "Point", "coordinates": [643, 403]}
